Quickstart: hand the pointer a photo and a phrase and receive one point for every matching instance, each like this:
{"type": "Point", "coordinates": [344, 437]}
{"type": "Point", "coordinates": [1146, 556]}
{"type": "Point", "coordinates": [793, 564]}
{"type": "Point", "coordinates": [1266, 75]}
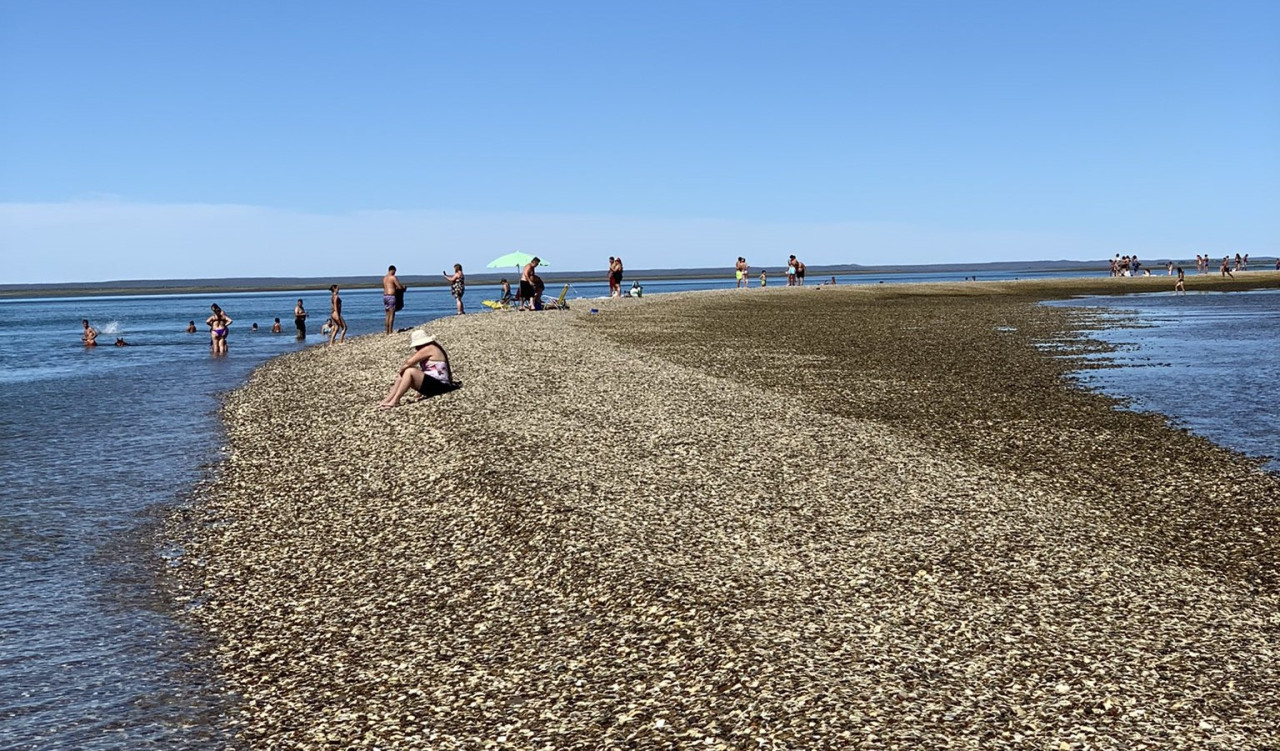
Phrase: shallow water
{"type": "Point", "coordinates": [1210, 361]}
{"type": "Point", "coordinates": [94, 441]}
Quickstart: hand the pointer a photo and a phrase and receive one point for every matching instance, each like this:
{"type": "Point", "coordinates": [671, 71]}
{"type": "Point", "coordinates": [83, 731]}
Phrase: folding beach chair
{"type": "Point", "coordinates": [559, 303]}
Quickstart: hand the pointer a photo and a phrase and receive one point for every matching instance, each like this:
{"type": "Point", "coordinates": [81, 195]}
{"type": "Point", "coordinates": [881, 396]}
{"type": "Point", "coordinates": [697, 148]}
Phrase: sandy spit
{"type": "Point", "coordinates": [819, 518]}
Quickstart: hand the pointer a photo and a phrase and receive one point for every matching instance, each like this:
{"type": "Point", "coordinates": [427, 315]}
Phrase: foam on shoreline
{"type": "Point", "coordinates": [813, 518]}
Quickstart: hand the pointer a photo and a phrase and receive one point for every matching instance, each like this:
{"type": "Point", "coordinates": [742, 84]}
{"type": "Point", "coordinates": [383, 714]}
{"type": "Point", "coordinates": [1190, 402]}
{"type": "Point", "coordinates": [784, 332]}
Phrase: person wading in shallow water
{"type": "Point", "coordinates": [337, 324]}
{"type": "Point", "coordinates": [219, 324]}
{"type": "Point", "coordinates": [300, 320]}
{"type": "Point", "coordinates": [90, 336]}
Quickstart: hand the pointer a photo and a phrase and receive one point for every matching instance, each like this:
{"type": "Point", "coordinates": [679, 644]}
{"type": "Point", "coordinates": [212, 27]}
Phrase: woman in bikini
{"type": "Point", "coordinates": [338, 325]}
{"type": "Point", "coordinates": [425, 371]}
{"type": "Point", "coordinates": [457, 285]}
{"type": "Point", "coordinates": [218, 323]}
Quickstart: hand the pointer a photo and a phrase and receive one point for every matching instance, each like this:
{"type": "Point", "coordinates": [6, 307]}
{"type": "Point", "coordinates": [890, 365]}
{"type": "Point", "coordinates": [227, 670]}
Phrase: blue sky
{"type": "Point", "coordinates": [162, 139]}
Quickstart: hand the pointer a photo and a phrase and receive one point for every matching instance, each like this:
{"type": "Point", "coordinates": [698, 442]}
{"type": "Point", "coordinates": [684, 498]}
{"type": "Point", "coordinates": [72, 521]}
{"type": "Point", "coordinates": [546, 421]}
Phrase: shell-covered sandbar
{"type": "Point", "coordinates": [848, 517]}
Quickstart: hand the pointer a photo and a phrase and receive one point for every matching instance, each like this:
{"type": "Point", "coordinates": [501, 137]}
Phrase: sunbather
{"type": "Point", "coordinates": [425, 371]}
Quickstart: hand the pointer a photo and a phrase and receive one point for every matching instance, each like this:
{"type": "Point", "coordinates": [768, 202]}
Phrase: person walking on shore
{"type": "Point", "coordinates": [740, 270]}
{"type": "Point", "coordinates": [457, 286]}
{"type": "Point", "coordinates": [1181, 285]}
{"type": "Point", "coordinates": [90, 336]}
{"type": "Point", "coordinates": [337, 324]}
{"type": "Point", "coordinates": [526, 282]}
{"type": "Point", "coordinates": [392, 297]}
{"type": "Point", "coordinates": [608, 275]}
{"type": "Point", "coordinates": [1226, 267]}
{"type": "Point", "coordinates": [300, 320]}
{"type": "Point", "coordinates": [219, 324]}
{"type": "Point", "coordinates": [799, 271]}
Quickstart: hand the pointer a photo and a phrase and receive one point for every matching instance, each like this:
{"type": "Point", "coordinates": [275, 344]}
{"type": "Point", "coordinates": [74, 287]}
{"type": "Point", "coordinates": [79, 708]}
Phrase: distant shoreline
{"type": "Point", "coordinates": [158, 287]}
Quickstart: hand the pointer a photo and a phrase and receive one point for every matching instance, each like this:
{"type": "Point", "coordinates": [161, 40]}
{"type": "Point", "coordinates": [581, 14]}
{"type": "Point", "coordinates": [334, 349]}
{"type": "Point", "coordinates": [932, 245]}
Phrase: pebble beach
{"type": "Point", "coordinates": [848, 517]}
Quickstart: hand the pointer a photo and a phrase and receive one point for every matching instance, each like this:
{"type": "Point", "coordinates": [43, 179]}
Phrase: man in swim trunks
{"type": "Point", "coordinates": [90, 336]}
{"type": "Point", "coordinates": [740, 270]}
{"type": "Point", "coordinates": [392, 290]}
{"type": "Point", "coordinates": [526, 281]}
{"type": "Point", "coordinates": [799, 271]}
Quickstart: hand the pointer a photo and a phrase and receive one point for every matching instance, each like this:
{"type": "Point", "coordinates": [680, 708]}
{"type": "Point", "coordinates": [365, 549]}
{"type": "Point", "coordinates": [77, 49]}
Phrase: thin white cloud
{"type": "Point", "coordinates": [98, 240]}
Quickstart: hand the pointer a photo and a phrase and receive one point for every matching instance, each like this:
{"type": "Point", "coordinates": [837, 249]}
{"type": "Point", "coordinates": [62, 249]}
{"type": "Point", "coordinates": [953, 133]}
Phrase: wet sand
{"type": "Point", "coordinates": [820, 518]}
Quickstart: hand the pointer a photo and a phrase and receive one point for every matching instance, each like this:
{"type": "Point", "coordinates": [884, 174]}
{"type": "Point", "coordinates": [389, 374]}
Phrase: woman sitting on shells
{"type": "Point", "coordinates": [425, 371]}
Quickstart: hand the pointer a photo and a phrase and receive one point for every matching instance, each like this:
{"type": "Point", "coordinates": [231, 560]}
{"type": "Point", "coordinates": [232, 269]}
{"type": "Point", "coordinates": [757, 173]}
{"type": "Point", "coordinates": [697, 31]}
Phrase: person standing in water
{"type": "Point", "coordinates": [219, 324]}
{"type": "Point", "coordinates": [392, 297]}
{"type": "Point", "coordinates": [191, 327]}
{"type": "Point", "coordinates": [300, 320]}
{"type": "Point", "coordinates": [90, 336]}
{"type": "Point", "coordinates": [740, 271]}
{"type": "Point", "coordinates": [457, 286]}
{"type": "Point", "coordinates": [337, 324]}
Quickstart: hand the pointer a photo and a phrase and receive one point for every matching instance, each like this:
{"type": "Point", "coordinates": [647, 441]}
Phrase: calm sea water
{"type": "Point", "coordinates": [1208, 360]}
{"type": "Point", "coordinates": [94, 441]}
{"type": "Point", "coordinates": [97, 442]}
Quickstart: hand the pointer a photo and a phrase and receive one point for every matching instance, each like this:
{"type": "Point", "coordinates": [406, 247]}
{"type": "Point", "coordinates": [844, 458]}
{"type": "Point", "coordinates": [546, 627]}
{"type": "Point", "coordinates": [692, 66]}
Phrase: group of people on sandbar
{"type": "Point", "coordinates": [1127, 265]}
{"type": "Point", "coordinates": [795, 273]}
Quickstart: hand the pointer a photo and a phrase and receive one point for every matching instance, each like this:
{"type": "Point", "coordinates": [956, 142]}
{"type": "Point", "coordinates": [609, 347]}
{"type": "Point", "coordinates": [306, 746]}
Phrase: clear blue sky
{"type": "Point", "coordinates": [174, 139]}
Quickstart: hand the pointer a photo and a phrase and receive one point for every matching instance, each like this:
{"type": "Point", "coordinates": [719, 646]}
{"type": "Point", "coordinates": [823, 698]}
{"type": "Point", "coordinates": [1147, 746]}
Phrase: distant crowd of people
{"type": "Point", "coordinates": [529, 294]}
{"type": "Point", "coordinates": [1130, 266]}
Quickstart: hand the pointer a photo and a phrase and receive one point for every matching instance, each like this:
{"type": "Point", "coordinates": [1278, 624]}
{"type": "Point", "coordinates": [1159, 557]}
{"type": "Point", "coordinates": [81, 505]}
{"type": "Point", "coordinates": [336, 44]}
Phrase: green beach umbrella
{"type": "Point", "coordinates": [516, 259]}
